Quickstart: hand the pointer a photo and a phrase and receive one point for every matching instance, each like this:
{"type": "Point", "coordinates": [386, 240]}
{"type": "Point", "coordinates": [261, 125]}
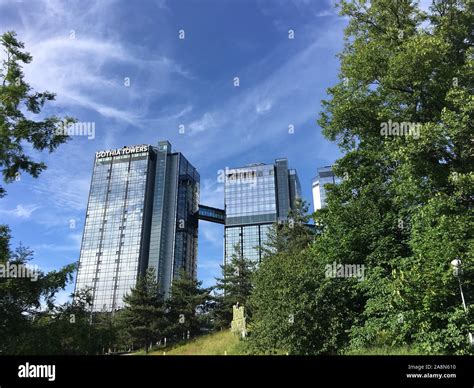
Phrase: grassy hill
{"type": "Point", "coordinates": [225, 343]}
{"type": "Point", "coordinates": [215, 344]}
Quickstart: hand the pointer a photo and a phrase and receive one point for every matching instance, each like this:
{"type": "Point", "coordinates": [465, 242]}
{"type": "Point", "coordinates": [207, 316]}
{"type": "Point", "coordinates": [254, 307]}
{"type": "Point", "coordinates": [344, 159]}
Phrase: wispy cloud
{"type": "Point", "coordinates": [20, 211]}
{"type": "Point", "coordinates": [85, 63]}
{"type": "Point", "coordinates": [290, 92]}
{"type": "Point", "coordinates": [205, 123]}
{"type": "Point", "coordinates": [263, 107]}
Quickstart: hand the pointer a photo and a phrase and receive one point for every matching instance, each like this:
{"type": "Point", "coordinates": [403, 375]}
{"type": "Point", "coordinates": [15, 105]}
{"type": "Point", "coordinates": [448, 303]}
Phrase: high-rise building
{"type": "Point", "coordinates": [325, 175]}
{"type": "Point", "coordinates": [256, 196]}
{"type": "Point", "coordinates": [142, 213]}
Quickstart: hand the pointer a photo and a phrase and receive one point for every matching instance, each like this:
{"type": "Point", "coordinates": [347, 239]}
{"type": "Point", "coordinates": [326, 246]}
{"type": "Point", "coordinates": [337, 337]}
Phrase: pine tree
{"type": "Point", "coordinates": [143, 315]}
{"type": "Point", "coordinates": [187, 307]}
{"type": "Point", "coordinates": [17, 128]}
{"type": "Point", "coordinates": [235, 287]}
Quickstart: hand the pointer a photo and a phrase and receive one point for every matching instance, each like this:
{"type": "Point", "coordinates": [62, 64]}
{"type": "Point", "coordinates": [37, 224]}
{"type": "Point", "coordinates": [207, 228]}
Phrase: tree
{"type": "Point", "coordinates": [21, 297]}
{"type": "Point", "coordinates": [294, 307]}
{"type": "Point", "coordinates": [4, 243]}
{"type": "Point", "coordinates": [105, 327]}
{"type": "Point", "coordinates": [405, 193]}
{"type": "Point", "coordinates": [143, 314]}
{"type": "Point", "coordinates": [291, 234]}
{"type": "Point", "coordinates": [235, 286]}
{"type": "Point", "coordinates": [24, 323]}
{"type": "Point", "coordinates": [187, 306]}
{"type": "Point", "coordinates": [16, 129]}
{"type": "Point", "coordinates": [68, 329]}
{"type": "Point", "coordinates": [64, 329]}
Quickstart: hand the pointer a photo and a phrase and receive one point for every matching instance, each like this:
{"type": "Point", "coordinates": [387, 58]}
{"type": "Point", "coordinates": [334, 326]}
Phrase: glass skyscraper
{"type": "Point", "coordinates": [256, 196]}
{"type": "Point", "coordinates": [142, 213]}
{"type": "Point", "coordinates": [325, 176]}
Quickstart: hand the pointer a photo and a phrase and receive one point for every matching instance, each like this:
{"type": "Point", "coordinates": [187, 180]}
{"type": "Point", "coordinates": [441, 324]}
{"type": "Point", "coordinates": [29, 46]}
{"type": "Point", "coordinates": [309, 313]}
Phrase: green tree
{"type": "Point", "coordinates": [143, 315]}
{"type": "Point", "coordinates": [187, 307]}
{"type": "Point", "coordinates": [294, 307]}
{"type": "Point", "coordinates": [64, 329]}
{"type": "Point", "coordinates": [24, 322]}
{"type": "Point", "coordinates": [106, 332]}
{"type": "Point", "coordinates": [235, 286]}
{"type": "Point", "coordinates": [69, 329]}
{"type": "Point", "coordinates": [406, 195]}
{"type": "Point", "coordinates": [21, 298]}
{"type": "Point", "coordinates": [16, 129]}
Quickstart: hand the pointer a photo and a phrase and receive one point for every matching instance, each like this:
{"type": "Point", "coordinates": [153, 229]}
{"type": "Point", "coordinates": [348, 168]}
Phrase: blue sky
{"type": "Point", "coordinates": [83, 51]}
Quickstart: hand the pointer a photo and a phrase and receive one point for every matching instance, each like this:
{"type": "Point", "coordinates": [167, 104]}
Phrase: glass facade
{"type": "Point", "coordinates": [187, 218]}
{"type": "Point", "coordinates": [249, 237]}
{"type": "Point", "coordinates": [212, 214]}
{"type": "Point", "coordinates": [250, 195]}
{"type": "Point", "coordinates": [141, 213]}
{"type": "Point", "coordinates": [255, 197]}
{"type": "Point", "coordinates": [325, 176]}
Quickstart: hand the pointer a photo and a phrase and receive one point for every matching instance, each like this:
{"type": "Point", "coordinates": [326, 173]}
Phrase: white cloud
{"type": "Point", "coordinates": [21, 211]}
{"type": "Point", "coordinates": [78, 56]}
{"type": "Point", "coordinates": [60, 189]}
{"type": "Point", "coordinates": [263, 107]}
{"type": "Point", "coordinates": [209, 264]}
{"type": "Point", "coordinates": [183, 112]}
{"type": "Point", "coordinates": [292, 91]}
{"type": "Point", "coordinates": [205, 123]}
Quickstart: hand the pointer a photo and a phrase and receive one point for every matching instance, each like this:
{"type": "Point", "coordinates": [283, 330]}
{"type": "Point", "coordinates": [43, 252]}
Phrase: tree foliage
{"type": "Point", "coordinates": [18, 101]}
{"type": "Point", "coordinates": [23, 300]}
{"type": "Point", "coordinates": [187, 307]}
{"type": "Point", "coordinates": [235, 287]}
{"type": "Point", "coordinates": [403, 209]}
{"type": "Point", "coordinates": [411, 195]}
{"type": "Point", "coordinates": [143, 316]}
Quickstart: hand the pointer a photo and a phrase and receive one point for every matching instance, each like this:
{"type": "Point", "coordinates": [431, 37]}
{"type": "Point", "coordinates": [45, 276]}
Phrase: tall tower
{"type": "Point", "coordinates": [256, 196]}
{"type": "Point", "coordinates": [141, 213]}
{"type": "Point", "coordinates": [325, 176]}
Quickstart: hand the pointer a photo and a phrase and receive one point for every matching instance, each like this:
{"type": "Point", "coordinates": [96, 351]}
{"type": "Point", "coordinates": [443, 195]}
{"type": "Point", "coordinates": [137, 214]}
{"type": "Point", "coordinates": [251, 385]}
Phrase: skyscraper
{"type": "Point", "coordinates": [256, 196]}
{"type": "Point", "coordinates": [325, 175]}
{"type": "Point", "coordinates": [142, 213]}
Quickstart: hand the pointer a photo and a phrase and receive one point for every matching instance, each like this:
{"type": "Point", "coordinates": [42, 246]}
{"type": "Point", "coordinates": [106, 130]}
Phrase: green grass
{"type": "Point", "coordinates": [215, 344]}
{"type": "Point", "coordinates": [225, 343]}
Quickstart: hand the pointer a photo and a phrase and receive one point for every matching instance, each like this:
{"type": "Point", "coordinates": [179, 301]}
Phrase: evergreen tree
{"type": "Point", "coordinates": [17, 128]}
{"type": "Point", "coordinates": [235, 287]}
{"type": "Point", "coordinates": [143, 315]}
{"type": "Point", "coordinates": [187, 307]}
